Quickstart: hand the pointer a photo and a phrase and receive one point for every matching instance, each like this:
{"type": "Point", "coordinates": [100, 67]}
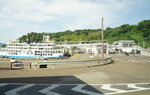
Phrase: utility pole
{"type": "Point", "coordinates": [143, 44]}
{"type": "Point", "coordinates": [102, 47]}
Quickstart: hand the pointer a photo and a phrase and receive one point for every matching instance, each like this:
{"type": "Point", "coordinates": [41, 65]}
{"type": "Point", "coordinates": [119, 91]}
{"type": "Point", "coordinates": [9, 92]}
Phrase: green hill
{"type": "Point", "coordinates": [139, 33]}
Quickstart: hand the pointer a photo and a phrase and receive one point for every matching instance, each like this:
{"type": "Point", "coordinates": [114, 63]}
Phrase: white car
{"type": "Point", "coordinates": [17, 65]}
{"type": "Point", "coordinates": [13, 60]}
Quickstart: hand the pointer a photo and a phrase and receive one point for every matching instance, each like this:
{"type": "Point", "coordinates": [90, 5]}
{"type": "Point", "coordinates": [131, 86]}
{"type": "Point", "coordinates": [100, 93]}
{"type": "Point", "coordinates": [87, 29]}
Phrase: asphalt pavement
{"type": "Point", "coordinates": [128, 75]}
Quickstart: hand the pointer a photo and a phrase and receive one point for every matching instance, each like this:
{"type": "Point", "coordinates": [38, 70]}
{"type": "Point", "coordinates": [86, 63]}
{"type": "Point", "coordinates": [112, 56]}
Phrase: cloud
{"type": "Point", "coordinates": [24, 10]}
{"type": "Point", "coordinates": [60, 15]}
{"type": "Point", "coordinates": [48, 10]}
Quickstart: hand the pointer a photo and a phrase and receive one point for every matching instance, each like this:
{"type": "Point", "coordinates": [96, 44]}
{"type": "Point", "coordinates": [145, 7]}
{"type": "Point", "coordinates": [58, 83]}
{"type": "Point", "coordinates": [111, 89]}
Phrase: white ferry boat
{"type": "Point", "coordinates": [32, 50]}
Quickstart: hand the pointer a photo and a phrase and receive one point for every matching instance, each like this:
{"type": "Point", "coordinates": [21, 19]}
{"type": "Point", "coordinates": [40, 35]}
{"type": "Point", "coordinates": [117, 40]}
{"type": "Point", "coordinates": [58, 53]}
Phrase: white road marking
{"type": "Point", "coordinates": [108, 87]}
{"type": "Point", "coordinates": [48, 91]}
{"type": "Point", "coordinates": [79, 87]}
{"type": "Point", "coordinates": [13, 92]}
{"type": "Point", "coordinates": [135, 87]}
{"type": "Point", "coordinates": [2, 84]}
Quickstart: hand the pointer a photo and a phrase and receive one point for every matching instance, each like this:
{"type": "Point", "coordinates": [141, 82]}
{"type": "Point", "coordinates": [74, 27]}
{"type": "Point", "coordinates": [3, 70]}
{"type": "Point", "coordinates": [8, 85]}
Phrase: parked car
{"type": "Point", "coordinates": [63, 57]}
{"type": "Point", "coordinates": [13, 60]}
{"type": "Point", "coordinates": [45, 60]}
{"type": "Point", "coordinates": [18, 65]}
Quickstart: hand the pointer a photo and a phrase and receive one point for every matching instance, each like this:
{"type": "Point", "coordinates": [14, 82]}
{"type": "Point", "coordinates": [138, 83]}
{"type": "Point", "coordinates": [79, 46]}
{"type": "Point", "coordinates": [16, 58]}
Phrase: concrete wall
{"type": "Point", "coordinates": [145, 52]}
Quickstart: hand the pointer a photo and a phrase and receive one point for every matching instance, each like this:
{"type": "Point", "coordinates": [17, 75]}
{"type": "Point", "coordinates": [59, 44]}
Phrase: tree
{"type": "Point", "coordinates": [138, 33]}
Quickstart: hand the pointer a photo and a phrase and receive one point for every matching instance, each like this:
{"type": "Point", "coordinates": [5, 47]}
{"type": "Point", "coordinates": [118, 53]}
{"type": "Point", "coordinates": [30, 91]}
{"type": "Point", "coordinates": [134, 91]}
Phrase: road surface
{"type": "Point", "coordinates": [128, 75]}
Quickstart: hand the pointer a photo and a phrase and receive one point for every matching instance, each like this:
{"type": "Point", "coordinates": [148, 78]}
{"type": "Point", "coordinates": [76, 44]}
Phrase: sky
{"type": "Point", "coordinates": [19, 17]}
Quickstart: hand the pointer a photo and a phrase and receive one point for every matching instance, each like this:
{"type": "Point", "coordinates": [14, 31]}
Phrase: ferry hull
{"type": "Point", "coordinates": [2, 56]}
{"type": "Point", "coordinates": [32, 50]}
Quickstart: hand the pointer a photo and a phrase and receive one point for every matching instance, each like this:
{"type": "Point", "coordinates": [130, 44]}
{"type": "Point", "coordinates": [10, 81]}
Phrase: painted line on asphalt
{"type": "Point", "coordinates": [135, 87]}
{"type": "Point", "coordinates": [73, 84]}
{"type": "Point", "coordinates": [14, 91]}
{"type": "Point", "coordinates": [108, 87]}
{"type": "Point", "coordinates": [78, 88]}
{"type": "Point", "coordinates": [2, 84]}
{"type": "Point", "coordinates": [48, 91]}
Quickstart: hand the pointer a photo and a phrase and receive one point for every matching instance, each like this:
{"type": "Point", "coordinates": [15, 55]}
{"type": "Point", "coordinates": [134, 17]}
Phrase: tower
{"type": "Point", "coordinates": [46, 38]}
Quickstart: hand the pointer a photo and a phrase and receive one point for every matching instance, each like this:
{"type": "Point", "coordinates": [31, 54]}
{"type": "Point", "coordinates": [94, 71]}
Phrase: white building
{"type": "Point", "coordinates": [123, 46]}
{"type": "Point", "coordinates": [85, 46]}
{"type": "Point", "coordinates": [46, 38]}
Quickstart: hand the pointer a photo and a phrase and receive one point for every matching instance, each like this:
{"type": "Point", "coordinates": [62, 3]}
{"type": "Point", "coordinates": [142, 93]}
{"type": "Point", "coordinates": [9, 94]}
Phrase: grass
{"type": "Point", "coordinates": [111, 61]}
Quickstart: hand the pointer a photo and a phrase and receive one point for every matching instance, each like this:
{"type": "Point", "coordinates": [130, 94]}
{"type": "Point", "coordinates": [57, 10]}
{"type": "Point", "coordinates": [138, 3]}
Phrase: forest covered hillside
{"type": "Point", "coordinates": [140, 33]}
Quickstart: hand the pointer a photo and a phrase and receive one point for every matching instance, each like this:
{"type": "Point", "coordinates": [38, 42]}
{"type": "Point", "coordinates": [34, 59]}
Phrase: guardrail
{"type": "Point", "coordinates": [82, 63]}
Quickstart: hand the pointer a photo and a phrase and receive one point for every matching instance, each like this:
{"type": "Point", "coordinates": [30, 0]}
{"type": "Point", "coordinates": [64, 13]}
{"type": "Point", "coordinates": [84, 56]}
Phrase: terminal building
{"type": "Point", "coordinates": [88, 47]}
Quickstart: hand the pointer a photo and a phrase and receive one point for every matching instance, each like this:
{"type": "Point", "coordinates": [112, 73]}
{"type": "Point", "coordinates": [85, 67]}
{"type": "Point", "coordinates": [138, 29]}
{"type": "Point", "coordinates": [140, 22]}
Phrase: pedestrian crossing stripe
{"type": "Point", "coordinates": [71, 89]}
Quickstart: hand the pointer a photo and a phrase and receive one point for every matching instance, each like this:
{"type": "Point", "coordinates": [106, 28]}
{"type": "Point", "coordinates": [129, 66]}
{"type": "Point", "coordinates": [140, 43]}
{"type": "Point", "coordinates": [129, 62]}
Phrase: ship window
{"type": "Point", "coordinates": [41, 48]}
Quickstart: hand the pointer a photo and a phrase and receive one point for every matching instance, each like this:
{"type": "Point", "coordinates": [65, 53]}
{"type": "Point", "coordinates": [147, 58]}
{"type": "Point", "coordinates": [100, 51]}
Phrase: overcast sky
{"type": "Point", "coordinates": [19, 17]}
